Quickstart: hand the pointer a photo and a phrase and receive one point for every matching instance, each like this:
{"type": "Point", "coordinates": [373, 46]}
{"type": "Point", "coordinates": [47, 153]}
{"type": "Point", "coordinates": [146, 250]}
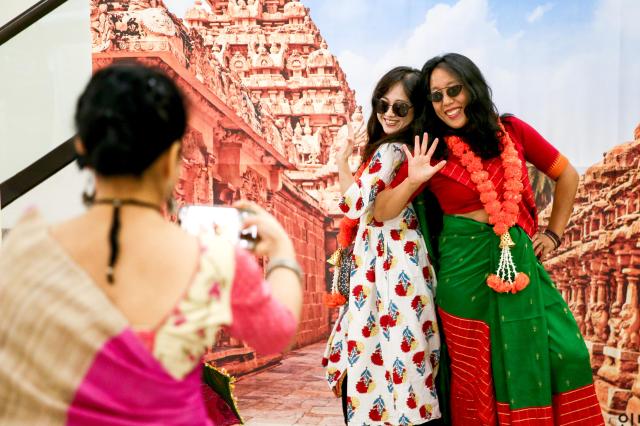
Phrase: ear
{"type": "Point", "coordinates": [79, 146]}
{"type": "Point", "coordinates": [173, 160]}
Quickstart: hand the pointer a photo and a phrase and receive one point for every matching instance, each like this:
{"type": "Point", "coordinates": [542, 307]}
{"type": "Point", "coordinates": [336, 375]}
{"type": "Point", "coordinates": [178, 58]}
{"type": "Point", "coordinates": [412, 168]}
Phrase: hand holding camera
{"type": "Point", "coordinates": [272, 240]}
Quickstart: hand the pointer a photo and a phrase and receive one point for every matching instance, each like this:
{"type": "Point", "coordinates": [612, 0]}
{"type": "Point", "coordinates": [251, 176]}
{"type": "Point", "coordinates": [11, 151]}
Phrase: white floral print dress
{"type": "Point", "coordinates": [386, 340]}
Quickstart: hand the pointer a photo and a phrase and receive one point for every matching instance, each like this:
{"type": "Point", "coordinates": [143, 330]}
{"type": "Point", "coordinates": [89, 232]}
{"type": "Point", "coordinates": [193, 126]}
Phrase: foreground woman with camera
{"type": "Point", "coordinates": [105, 317]}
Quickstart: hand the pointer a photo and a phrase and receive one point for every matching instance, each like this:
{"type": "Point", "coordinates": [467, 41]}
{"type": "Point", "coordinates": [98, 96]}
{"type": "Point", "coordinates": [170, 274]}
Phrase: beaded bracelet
{"type": "Point", "coordinates": [554, 237]}
{"type": "Point", "coordinates": [286, 263]}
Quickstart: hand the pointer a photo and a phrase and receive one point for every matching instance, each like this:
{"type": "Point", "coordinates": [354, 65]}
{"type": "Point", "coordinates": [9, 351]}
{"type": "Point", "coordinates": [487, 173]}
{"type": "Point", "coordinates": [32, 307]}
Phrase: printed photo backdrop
{"type": "Point", "coordinates": [272, 83]}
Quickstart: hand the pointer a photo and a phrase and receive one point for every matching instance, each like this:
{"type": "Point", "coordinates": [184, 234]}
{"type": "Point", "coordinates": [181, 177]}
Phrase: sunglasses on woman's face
{"type": "Point", "coordinates": [452, 92]}
{"type": "Point", "coordinates": [401, 109]}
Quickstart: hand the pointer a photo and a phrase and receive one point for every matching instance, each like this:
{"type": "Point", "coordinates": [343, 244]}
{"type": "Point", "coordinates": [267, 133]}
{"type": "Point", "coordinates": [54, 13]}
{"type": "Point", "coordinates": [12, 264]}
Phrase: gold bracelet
{"type": "Point", "coordinates": [286, 263]}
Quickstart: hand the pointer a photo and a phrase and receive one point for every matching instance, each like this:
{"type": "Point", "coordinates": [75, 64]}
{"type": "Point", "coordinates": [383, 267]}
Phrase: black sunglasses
{"type": "Point", "coordinates": [452, 92]}
{"type": "Point", "coordinates": [401, 109]}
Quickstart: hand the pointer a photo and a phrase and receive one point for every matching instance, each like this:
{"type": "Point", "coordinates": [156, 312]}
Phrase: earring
{"type": "Point", "coordinates": [89, 193]}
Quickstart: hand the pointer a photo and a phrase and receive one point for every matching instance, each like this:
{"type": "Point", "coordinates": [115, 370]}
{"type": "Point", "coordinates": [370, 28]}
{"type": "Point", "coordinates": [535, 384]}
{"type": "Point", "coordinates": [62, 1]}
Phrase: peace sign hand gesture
{"type": "Point", "coordinates": [420, 168]}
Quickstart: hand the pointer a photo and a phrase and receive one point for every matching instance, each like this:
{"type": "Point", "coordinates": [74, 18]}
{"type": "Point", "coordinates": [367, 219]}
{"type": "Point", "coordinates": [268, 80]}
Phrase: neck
{"type": "Point", "coordinates": [128, 188]}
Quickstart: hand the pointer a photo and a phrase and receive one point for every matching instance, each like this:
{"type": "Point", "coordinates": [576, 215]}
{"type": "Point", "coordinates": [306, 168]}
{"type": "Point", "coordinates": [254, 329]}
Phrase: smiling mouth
{"type": "Point", "coordinates": [391, 123]}
{"type": "Point", "coordinates": [453, 113]}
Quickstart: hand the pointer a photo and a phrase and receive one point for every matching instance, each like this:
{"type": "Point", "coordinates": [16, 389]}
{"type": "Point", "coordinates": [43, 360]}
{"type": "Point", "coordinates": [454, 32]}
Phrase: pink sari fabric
{"type": "Point", "coordinates": [127, 386]}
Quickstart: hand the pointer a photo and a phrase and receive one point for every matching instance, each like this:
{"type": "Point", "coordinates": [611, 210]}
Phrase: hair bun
{"type": "Point", "coordinates": [127, 117]}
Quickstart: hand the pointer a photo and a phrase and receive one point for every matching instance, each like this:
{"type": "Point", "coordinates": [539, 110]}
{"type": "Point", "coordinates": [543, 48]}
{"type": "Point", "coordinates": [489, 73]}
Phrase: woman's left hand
{"type": "Point", "coordinates": [542, 245]}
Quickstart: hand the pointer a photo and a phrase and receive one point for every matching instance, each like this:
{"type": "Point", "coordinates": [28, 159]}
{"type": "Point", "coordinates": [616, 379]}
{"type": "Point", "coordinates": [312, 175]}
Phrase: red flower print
{"type": "Point", "coordinates": [376, 223]}
{"type": "Point", "coordinates": [400, 290]}
{"type": "Point", "coordinates": [325, 362]}
{"type": "Point", "coordinates": [359, 203]}
{"type": "Point", "coordinates": [426, 273]}
{"type": "Point", "coordinates": [375, 415]}
{"type": "Point", "coordinates": [397, 378]}
{"type": "Point", "coordinates": [418, 358]}
{"type": "Point", "coordinates": [429, 381]}
{"type": "Point", "coordinates": [423, 411]}
{"type": "Point", "coordinates": [343, 206]}
{"type": "Point", "coordinates": [335, 357]}
{"type": "Point", "coordinates": [413, 224]}
{"type": "Point", "coordinates": [409, 247]}
{"type": "Point", "coordinates": [411, 401]}
{"type": "Point", "coordinates": [357, 290]}
{"type": "Point", "coordinates": [379, 186]}
{"type": "Point", "coordinates": [386, 265]}
{"type": "Point", "coordinates": [371, 275]}
{"type": "Point", "coordinates": [375, 166]}
{"type": "Point", "coordinates": [362, 386]}
{"type": "Point", "coordinates": [416, 302]}
{"type": "Point", "coordinates": [427, 327]}
{"type": "Point", "coordinates": [387, 321]}
{"type": "Point", "coordinates": [366, 331]}
{"type": "Point", "coordinates": [405, 345]}
{"type": "Point", "coordinates": [376, 357]}
{"type": "Point", "coordinates": [395, 235]}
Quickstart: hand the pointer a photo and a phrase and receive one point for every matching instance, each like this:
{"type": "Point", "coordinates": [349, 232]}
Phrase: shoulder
{"type": "Point", "coordinates": [516, 125]}
{"type": "Point", "coordinates": [30, 229]}
{"type": "Point", "coordinates": [393, 148]}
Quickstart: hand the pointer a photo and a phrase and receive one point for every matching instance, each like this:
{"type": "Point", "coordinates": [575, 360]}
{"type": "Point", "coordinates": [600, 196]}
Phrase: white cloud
{"type": "Point", "coordinates": [578, 88]}
{"type": "Point", "coordinates": [539, 12]}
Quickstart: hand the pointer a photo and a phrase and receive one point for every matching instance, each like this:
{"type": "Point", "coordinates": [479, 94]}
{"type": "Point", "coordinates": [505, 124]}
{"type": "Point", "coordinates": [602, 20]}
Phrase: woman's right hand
{"type": "Point", "coordinates": [345, 151]}
{"type": "Point", "coordinates": [273, 240]}
{"type": "Point", "coordinates": [420, 168]}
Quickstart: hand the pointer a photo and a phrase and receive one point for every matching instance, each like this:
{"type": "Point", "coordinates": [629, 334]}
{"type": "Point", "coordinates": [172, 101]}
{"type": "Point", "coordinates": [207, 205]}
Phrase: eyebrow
{"type": "Point", "coordinates": [384, 98]}
{"type": "Point", "coordinates": [446, 87]}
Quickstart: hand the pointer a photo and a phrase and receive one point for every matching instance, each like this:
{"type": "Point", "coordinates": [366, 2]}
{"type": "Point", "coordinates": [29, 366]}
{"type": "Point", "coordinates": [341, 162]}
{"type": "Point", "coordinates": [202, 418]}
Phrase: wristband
{"type": "Point", "coordinates": [554, 237]}
{"type": "Point", "coordinates": [286, 263]}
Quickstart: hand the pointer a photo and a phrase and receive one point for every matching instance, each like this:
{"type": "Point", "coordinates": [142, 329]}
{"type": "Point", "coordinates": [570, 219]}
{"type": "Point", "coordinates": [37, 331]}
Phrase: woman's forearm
{"type": "Point", "coordinates": [345, 177]}
{"type": "Point", "coordinates": [563, 199]}
{"type": "Point", "coordinates": [390, 202]}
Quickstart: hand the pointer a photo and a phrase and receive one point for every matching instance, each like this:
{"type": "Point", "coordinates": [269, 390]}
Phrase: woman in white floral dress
{"type": "Point", "coordinates": [382, 355]}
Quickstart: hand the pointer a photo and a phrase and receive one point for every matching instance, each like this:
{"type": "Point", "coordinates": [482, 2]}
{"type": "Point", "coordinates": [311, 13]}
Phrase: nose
{"type": "Point", "coordinates": [389, 112]}
{"type": "Point", "coordinates": [446, 99]}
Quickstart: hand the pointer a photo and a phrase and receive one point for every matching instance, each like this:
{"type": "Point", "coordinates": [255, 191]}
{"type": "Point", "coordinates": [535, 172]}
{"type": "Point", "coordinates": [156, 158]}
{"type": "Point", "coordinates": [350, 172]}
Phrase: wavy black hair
{"type": "Point", "coordinates": [410, 79]}
{"type": "Point", "coordinates": [127, 116]}
{"type": "Point", "coordinates": [481, 131]}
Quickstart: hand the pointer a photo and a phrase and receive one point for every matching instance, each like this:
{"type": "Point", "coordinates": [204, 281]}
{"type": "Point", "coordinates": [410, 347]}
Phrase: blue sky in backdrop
{"type": "Point", "coordinates": [571, 68]}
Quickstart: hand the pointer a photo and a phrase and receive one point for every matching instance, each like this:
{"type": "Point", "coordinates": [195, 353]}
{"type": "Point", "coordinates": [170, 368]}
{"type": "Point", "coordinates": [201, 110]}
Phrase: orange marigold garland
{"type": "Point", "coordinates": [502, 215]}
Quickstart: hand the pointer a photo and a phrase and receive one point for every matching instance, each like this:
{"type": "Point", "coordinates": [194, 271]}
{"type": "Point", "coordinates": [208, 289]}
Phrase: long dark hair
{"type": "Point", "coordinates": [481, 131]}
{"type": "Point", "coordinates": [127, 116]}
{"type": "Point", "coordinates": [410, 79]}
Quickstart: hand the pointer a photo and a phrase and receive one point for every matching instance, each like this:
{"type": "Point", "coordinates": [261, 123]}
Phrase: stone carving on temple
{"type": "Point", "coordinates": [600, 257]}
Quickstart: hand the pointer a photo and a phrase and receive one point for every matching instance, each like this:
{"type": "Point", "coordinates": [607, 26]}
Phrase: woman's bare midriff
{"type": "Point", "coordinates": [477, 215]}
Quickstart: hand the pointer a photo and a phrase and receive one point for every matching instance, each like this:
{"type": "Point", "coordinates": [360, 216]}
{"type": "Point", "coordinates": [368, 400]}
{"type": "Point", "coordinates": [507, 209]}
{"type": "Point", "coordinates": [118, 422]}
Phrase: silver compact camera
{"type": "Point", "coordinates": [224, 221]}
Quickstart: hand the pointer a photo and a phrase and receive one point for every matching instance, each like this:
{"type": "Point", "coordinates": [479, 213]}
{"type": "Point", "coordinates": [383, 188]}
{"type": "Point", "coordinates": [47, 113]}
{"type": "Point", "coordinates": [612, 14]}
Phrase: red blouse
{"type": "Point", "coordinates": [457, 194]}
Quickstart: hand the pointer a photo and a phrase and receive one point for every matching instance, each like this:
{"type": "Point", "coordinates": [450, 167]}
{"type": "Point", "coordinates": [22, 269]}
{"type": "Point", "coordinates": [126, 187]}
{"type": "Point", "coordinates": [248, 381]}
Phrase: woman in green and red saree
{"type": "Point", "coordinates": [106, 316]}
{"type": "Point", "coordinates": [516, 354]}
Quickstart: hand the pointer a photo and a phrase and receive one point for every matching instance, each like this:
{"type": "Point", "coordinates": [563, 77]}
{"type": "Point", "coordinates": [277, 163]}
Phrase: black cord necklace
{"type": "Point", "coordinates": [115, 226]}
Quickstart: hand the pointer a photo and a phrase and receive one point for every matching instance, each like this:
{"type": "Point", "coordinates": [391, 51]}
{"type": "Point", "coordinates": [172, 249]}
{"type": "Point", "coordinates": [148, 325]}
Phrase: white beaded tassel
{"type": "Point", "coordinates": [506, 267]}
